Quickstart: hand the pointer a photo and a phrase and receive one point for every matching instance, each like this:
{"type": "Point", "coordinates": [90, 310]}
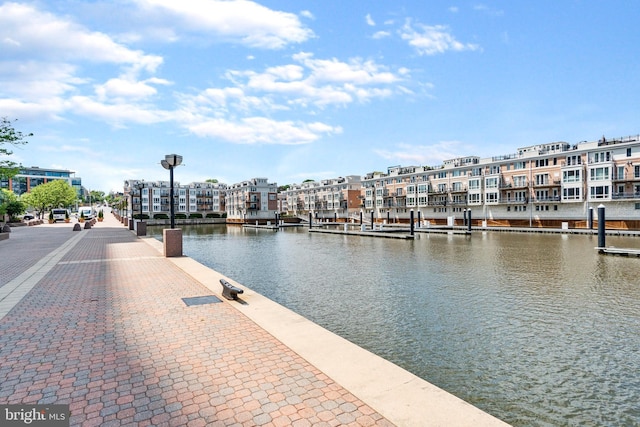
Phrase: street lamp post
{"type": "Point", "coordinates": [172, 237]}
{"type": "Point", "coordinates": [171, 161]}
{"type": "Point", "coordinates": [141, 226]}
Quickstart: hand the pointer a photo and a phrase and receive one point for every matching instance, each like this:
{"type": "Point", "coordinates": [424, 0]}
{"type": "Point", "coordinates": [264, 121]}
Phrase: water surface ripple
{"type": "Point", "coordinates": [536, 329]}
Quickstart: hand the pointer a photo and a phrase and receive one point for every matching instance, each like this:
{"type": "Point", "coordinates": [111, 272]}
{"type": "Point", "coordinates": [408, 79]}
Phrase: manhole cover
{"type": "Point", "coordinates": [208, 299]}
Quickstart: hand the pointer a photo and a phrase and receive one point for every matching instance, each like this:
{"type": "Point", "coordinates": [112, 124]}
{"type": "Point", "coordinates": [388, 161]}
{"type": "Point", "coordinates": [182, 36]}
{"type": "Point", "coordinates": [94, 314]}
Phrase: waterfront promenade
{"type": "Point", "coordinates": [96, 319]}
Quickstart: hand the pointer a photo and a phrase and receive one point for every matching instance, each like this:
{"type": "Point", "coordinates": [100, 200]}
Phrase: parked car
{"type": "Point", "coordinates": [87, 212]}
{"type": "Point", "coordinates": [28, 216]}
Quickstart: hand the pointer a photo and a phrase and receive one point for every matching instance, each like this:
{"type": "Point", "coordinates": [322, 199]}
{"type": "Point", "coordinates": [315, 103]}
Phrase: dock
{"type": "Point", "coordinates": [378, 233]}
{"type": "Point", "coordinates": [611, 250]}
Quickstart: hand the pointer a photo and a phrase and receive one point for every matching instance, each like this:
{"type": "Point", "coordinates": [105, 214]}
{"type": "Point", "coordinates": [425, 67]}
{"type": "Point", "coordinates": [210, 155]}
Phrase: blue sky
{"type": "Point", "coordinates": [295, 90]}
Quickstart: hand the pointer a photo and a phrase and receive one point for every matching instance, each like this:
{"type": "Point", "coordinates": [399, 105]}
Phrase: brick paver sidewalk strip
{"type": "Point", "coordinates": [107, 332]}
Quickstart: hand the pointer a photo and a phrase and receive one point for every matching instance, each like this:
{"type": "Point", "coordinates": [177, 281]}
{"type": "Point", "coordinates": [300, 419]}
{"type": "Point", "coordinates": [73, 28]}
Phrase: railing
{"type": "Point", "coordinates": [546, 199]}
{"type": "Point", "coordinates": [618, 196]}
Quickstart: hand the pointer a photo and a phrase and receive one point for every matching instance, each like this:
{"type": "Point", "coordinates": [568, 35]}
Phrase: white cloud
{"type": "Point", "coordinates": [425, 155]}
{"type": "Point", "coordinates": [370, 20]}
{"type": "Point", "coordinates": [380, 35]}
{"type": "Point", "coordinates": [45, 36]}
{"type": "Point", "coordinates": [261, 130]}
{"type": "Point", "coordinates": [432, 39]}
{"type": "Point", "coordinates": [243, 21]}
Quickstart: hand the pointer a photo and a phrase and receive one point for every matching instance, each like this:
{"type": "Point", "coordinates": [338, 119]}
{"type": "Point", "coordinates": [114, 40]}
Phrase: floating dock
{"type": "Point", "coordinates": [386, 234]}
{"type": "Point", "coordinates": [611, 250]}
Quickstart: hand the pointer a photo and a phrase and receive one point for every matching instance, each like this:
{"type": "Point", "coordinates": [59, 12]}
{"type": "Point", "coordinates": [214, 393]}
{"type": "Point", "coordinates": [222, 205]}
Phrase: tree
{"type": "Point", "coordinates": [96, 196]}
{"type": "Point", "coordinates": [8, 135]}
{"type": "Point", "coordinates": [212, 180]}
{"type": "Point", "coordinates": [52, 194]}
{"type": "Point", "coordinates": [10, 204]}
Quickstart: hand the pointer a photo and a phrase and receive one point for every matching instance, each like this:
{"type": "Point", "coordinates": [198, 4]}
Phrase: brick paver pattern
{"type": "Point", "coordinates": [106, 331]}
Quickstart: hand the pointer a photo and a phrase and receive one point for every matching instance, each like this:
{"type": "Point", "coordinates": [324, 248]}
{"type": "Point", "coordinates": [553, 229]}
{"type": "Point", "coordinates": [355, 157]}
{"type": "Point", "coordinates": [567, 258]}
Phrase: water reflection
{"type": "Point", "coordinates": [537, 329]}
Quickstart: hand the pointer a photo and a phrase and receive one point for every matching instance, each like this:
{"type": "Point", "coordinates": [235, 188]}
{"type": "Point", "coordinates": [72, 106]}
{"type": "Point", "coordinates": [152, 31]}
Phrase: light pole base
{"type": "Point", "coordinates": [172, 239]}
{"type": "Point", "coordinates": [141, 228]}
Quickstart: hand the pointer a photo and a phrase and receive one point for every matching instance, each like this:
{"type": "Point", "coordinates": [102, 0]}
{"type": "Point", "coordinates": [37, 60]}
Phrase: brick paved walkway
{"type": "Point", "coordinates": [107, 332]}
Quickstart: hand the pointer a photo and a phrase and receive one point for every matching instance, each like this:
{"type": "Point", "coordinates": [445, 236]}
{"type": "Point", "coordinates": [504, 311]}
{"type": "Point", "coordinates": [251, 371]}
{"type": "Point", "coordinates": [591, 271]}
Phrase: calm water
{"type": "Point", "coordinates": [536, 329]}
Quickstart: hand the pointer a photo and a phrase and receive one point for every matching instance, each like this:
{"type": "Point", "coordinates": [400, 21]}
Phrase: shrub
{"type": "Point", "coordinates": [181, 216]}
{"type": "Point", "coordinates": [195, 215]}
{"type": "Point", "coordinates": [161, 216]}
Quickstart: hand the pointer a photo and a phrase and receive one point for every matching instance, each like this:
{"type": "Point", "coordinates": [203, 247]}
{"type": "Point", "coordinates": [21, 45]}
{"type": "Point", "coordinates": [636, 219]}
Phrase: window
{"type": "Point", "coordinates": [600, 192]}
{"type": "Point", "coordinates": [542, 179]}
{"type": "Point", "coordinates": [599, 174]}
{"type": "Point", "coordinates": [474, 198]}
{"type": "Point", "coordinates": [571, 176]}
{"type": "Point", "coordinates": [629, 152]}
{"type": "Point", "coordinates": [540, 163]}
{"type": "Point", "coordinates": [492, 197]}
{"type": "Point", "coordinates": [520, 181]}
{"type": "Point", "coordinates": [491, 183]}
{"type": "Point", "coordinates": [620, 172]}
{"type": "Point", "coordinates": [601, 157]}
{"type": "Point", "coordinates": [474, 184]}
{"type": "Point", "coordinates": [519, 165]}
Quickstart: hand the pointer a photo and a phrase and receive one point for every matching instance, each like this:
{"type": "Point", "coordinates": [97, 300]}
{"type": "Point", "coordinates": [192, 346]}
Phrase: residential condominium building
{"type": "Point", "coordinates": [153, 198]}
{"type": "Point", "coordinates": [541, 185]}
{"type": "Point", "coordinates": [29, 177]}
{"type": "Point", "coordinates": [251, 201]}
{"type": "Point", "coordinates": [329, 198]}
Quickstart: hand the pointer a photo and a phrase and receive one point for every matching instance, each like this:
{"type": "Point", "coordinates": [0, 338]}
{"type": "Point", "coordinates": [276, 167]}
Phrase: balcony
{"type": "Point", "coordinates": [547, 183]}
{"type": "Point", "coordinates": [549, 199]}
{"type": "Point", "coordinates": [627, 196]}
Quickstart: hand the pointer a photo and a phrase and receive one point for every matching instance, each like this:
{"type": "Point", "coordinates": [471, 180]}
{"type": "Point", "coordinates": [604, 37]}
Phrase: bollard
{"type": "Point", "coordinates": [601, 228]}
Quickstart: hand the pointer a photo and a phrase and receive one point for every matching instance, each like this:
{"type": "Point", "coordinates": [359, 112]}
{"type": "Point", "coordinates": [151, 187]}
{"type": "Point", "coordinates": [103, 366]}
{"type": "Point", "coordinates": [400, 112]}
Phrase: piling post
{"type": "Point", "coordinates": [411, 221]}
{"type": "Point", "coordinates": [590, 223]}
{"type": "Point", "coordinates": [372, 226]}
{"type": "Point", "coordinates": [464, 217]}
{"type": "Point", "coordinates": [601, 228]}
{"type": "Point", "coordinates": [419, 219]}
{"type": "Point", "coordinates": [310, 220]}
{"type": "Point", "coordinates": [469, 220]}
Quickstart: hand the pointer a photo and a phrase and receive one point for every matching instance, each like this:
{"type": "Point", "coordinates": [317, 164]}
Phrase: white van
{"type": "Point", "coordinates": [59, 214]}
{"type": "Point", "coordinates": [86, 211]}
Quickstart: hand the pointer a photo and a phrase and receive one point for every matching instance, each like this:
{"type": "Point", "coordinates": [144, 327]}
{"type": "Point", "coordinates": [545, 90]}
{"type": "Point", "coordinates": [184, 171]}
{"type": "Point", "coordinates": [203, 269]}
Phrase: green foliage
{"type": "Point", "coordinates": [195, 215]}
{"type": "Point", "coordinates": [100, 214]}
{"type": "Point", "coordinates": [138, 216]}
{"type": "Point", "coordinates": [53, 194]}
{"type": "Point", "coordinates": [180, 216]}
{"type": "Point", "coordinates": [51, 215]}
{"type": "Point", "coordinates": [161, 216]}
{"type": "Point", "coordinates": [7, 203]}
{"type": "Point", "coordinates": [212, 180]}
{"type": "Point", "coordinates": [82, 214]}
{"type": "Point", "coordinates": [15, 208]}
{"type": "Point", "coordinates": [8, 135]}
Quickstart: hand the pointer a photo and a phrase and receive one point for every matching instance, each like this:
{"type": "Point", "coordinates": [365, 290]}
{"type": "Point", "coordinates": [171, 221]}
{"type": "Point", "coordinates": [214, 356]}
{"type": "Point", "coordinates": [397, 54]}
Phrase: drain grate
{"type": "Point", "coordinates": [207, 299]}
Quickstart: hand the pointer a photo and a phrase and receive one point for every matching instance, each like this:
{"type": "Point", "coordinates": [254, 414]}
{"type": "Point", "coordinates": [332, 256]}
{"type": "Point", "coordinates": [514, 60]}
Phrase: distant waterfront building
{"type": "Point", "coordinates": [541, 185]}
{"type": "Point", "coordinates": [329, 198]}
{"type": "Point", "coordinates": [30, 177]}
{"type": "Point", "coordinates": [154, 197]}
{"type": "Point", "coordinates": [252, 200]}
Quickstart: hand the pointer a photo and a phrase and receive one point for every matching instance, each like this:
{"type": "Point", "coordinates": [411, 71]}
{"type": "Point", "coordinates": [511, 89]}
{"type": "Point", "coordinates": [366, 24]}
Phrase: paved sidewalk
{"type": "Point", "coordinates": [101, 325]}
